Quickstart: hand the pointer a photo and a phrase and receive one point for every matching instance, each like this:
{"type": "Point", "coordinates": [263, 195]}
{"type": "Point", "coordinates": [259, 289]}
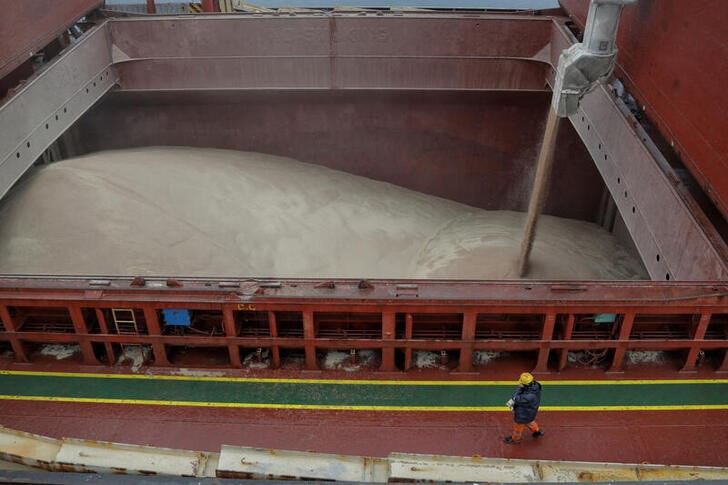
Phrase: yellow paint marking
{"type": "Point", "coordinates": [354, 408]}
{"type": "Point", "coordinates": [671, 407]}
{"type": "Point", "coordinates": [363, 382]}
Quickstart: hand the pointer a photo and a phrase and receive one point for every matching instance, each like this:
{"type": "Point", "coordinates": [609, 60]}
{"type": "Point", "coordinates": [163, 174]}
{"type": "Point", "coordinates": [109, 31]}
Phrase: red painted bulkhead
{"type": "Point", "coordinates": [672, 57]}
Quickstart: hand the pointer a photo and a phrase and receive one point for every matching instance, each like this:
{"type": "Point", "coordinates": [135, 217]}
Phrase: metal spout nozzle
{"type": "Point", "coordinates": [583, 65]}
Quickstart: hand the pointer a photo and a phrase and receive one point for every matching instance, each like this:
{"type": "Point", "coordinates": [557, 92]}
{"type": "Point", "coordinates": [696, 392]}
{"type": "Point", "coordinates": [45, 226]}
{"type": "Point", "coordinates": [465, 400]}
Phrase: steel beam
{"type": "Point", "coordinates": [275, 349]}
{"type": "Point", "coordinates": [547, 334]}
{"type": "Point", "coordinates": [154, 329]}
{"type": "Point", "coordinates": [16, 344]}
{"type": "Point", "coordinates": [332, 52]}
{"type": "Point", "coordinates": [444, 296]}
{"type": "Point", "coordinates": [699, 334]}
{"type": "Point", "coordinates": [81, 327]}
{"type": "Point", "coordinates": [309, 340]}
{"type": "Point", "coordinates": [468, 336]}
{"type": "Point", "coordinates": [672, 241]}
{"type": "Point", "coordinates": [388, 333]}
{"type": "Point", "coordinates": [228, 320]}
{"type": "Point", "coordinates": [568, 330]}
{"type": "Point", "coordinates": [672, 235]}
{"type": "Point", "coordinates": [418, 344]}
{"type": "Point", "coordinates": [624, 333]}
{"type": "Point", "coordinates": [51, 102]}
{"type": "Point", "coordinates": [555, 301]}
{"type": "Point", "coordinates": [108, 347]}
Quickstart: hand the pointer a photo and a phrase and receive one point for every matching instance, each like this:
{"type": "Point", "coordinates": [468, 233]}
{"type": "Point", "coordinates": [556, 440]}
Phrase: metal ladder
{"type": "Point", "coordinates": [125, 321]}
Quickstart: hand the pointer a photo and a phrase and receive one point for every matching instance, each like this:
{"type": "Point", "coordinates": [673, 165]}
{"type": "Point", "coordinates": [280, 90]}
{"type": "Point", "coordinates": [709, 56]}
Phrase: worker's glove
{"type": "Point", "coordinates": [510, 403]}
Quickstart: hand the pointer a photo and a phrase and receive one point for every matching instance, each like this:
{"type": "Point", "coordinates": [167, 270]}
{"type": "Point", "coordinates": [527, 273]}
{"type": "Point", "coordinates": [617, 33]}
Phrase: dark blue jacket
{"type": "Point", "coordinates": [525, 402]}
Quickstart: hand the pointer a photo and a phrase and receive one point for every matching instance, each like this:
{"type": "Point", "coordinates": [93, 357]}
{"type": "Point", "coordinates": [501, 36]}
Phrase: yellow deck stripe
{"type": "Point", "coordinates": [382, 382]}
{"type": "Point", "coordinates": [357, 408]}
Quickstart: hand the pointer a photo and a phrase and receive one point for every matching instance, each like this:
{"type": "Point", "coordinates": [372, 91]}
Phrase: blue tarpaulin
{"type": "Point", "coordinates": [174, 316]}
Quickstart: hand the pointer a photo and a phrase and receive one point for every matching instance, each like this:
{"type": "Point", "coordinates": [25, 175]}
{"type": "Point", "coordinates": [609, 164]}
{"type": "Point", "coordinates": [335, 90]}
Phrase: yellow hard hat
{"type": "Point", "coordinates": [525, 379]}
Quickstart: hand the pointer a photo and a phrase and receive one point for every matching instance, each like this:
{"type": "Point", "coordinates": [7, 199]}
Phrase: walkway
{"type": "Point", "coordinates": [630, 421]}
{"type": "Point", "coordinates": [368, 395]}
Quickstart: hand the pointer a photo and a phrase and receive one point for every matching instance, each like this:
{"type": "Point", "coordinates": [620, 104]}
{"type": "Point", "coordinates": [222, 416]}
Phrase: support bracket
{"type": "Point", "coordinates": [673, 241]}
{"type": "Point", "coordinates": [51, 102]}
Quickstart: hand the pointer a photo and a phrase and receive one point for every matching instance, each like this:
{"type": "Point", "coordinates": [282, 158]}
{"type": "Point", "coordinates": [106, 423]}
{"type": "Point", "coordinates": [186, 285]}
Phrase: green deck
{"type": "Point", "coordinates": [398, 395]}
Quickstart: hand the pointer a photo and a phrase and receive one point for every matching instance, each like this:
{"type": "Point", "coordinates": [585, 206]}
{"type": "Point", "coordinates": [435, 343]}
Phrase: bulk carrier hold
{"type": "Point", "coordinates": [283, 235]}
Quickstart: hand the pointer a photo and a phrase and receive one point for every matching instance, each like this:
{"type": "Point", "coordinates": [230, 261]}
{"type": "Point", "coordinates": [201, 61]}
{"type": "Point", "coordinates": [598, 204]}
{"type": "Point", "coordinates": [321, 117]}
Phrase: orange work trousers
{"type": "Point", "coordinates": [518, 429]}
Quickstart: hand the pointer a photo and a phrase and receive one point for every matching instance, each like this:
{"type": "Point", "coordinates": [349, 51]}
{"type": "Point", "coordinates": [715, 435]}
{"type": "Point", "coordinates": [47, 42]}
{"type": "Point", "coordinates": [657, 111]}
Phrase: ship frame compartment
{"type": "Point", "coordinates": [544, 319]}
{"type": "Point", "coordinates": [346, 54]}
{"type": "Point", "coordinates": [336, 53]}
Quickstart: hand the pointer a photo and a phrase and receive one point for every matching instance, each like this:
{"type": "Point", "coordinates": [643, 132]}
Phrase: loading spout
{"type": "Point", "coordinates": [580, 68]}
{"type": "Point", "coordinates": [583, 65]}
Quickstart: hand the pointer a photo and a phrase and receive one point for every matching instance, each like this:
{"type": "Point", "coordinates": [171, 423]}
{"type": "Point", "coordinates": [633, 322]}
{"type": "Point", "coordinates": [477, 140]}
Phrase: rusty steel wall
{"type": "Point", "coordinates": [450, 105]}
{"type": "Point", "coordinates": [28, 25]}
{"type": "Point", "coordinates": [333, 52]}
{"type": "Point", "coordinates": [474, 148]}
{"type": "Point", "coordinates": [672, 57]}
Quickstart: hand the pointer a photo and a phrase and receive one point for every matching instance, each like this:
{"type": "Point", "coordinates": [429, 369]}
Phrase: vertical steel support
{"type": "Point", "coordinates": [564, 353]}
{"type": "Point", "coordinates": [547, 334]}
{"type": "Point", "coordinates": [160, 353]}
{"type": "Point", "coordinates": [468, 338]}
{"type": "Point", "coordinates": [228, 321]}
{"type": "Point", "coordinates": [15, 342]}
{"type": "Point", "coordinates": [274, 350]}
{"type": "Point", "coordinates": [108, 346]}
{"type": "Point", "coordinates": [624, 333]}
{"type": "Point", "coordinates": [79, 325]}
{"type": "Point", "coordinates": [309, 336]}
{"type": "Point", "coordinates": [670, 236]}
{"type": "Point", "coordinates": [408, 336]}
{"type": "Point", "coordinates": [388, 334]}
{"type": "Point", "coordinates": [695, 348]}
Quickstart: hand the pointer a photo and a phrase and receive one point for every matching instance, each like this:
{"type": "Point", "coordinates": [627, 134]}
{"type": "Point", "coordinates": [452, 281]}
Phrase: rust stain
{"type": "Point", "coordinates": [585, 477]}
{"type": "Point", "coordinates": [655, 474]}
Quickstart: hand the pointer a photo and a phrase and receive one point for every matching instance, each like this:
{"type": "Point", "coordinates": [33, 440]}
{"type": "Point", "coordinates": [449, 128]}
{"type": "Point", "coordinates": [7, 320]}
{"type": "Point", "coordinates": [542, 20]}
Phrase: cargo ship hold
{"type": "Point", "coordinates": [322, 242]}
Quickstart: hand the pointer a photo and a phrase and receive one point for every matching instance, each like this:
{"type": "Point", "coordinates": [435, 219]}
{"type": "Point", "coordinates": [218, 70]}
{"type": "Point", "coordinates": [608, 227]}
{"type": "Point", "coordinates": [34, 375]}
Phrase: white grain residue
{"type": "Point", "coordinates": [424, 359]}
{"type": "Point", "coordinates": [644, 357]}
{"type": "Point", "coordinates": [251, 360]}
{"type": "Point", "coordinates": [484, 357]}
{"type": "Point", "coordinates": [136, 355]}
{"type": "Point", "coordinates": [338, 360]}
{"type": "Point", "coordinates": [60, 351]}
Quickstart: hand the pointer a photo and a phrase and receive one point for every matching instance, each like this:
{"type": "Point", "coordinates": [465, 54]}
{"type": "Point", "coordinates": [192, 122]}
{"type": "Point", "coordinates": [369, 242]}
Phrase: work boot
{"type": "Point", "coordinates": [537, 434]}
{"type": "Point", "coordinates": [511, 441]}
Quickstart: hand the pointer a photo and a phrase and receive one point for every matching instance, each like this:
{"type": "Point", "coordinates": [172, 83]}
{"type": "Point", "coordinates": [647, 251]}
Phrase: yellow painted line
{"type": "Point", "coordinates": [355, 408]}
{"type": "Point", "coordinates": [362, 381]}
{"type": "Point", "coordinates": [675, 407]}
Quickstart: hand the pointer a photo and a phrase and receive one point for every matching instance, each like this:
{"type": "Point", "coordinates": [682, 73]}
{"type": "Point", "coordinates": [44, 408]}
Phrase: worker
{"type": "Point", "coordinates": [524, 404]}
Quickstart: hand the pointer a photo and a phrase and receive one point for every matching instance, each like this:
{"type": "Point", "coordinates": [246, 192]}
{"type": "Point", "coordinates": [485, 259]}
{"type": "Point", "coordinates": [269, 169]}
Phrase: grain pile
{"type": "Point", "coordinates": [208, 212]}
